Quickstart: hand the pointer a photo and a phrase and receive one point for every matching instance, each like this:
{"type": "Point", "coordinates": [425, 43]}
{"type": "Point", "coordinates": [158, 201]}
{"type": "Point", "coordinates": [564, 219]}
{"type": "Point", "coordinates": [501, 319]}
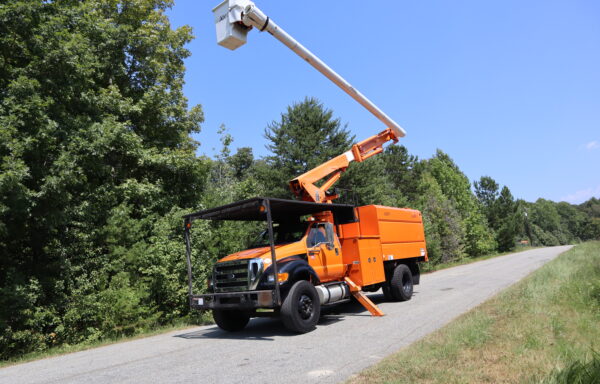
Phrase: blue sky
{"type": "Point", "coordinates": [509, 89]}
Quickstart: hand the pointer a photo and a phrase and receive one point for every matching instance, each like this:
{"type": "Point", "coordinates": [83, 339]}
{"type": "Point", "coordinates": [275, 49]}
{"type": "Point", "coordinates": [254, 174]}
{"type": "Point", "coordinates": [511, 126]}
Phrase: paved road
{"type": "Point", "coordinates": [345, 342]}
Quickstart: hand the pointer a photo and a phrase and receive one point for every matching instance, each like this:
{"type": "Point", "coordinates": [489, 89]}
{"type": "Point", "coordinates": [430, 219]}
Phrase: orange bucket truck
{"type": "Point", "coordinates": [313, 253]}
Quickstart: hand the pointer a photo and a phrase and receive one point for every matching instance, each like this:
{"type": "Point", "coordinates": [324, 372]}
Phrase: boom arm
{"type": "Point", "coordinates": [234, 18]}
{"type": "Point", "coordinates": [305, 185]}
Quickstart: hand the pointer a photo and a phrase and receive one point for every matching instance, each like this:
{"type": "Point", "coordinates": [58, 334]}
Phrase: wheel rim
{"type": "Point", "coordinates": [305, 307]}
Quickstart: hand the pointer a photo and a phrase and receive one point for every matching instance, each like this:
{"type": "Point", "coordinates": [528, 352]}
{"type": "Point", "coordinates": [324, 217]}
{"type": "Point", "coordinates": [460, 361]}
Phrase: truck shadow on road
{"type": "Point", "coordinates": [266, 329]}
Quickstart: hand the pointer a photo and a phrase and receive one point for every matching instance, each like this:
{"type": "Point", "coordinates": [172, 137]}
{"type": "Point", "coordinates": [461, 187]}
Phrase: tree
{"type": "Point", "coordinates": [590, 228]}
{"type": "Point", "coordinates": [95, 161]}
{"type": "Point", "coordinates": [591, 207]}
{"type": "Point", "coordinates": [486, 190]}
{"type": "Point", "coordinates": [403, 171]}
{"type": "Point", "coordinates": [242, 162]}
{"type": "Point", "coordinates": [456, 187]}
{"type": "Point", "coordinates": [507, 220]}
{"type": "Point", "coordinates": [444, 230]}
{"type": "Point", "coordinates": [545, 215]}
{"type": "Point", "coordinates": [304, 137]}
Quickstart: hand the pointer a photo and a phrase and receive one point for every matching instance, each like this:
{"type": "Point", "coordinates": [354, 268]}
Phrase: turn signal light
{"type": "Point", "coordinates": [281, 277]}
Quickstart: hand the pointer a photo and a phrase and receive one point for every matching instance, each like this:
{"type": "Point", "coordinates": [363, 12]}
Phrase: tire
{"type": "Point", "coordinates": [301, 308]}
{"type": "Point", "coordinates": [387, 293]}
{"type": "Point", "coordinates": [231, 320]}
{"type": "Point", "coordinates": [401, 284]}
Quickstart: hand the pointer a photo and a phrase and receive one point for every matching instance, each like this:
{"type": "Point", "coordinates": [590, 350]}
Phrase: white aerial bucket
{"type": "Point", "coordinates": [231, 33]}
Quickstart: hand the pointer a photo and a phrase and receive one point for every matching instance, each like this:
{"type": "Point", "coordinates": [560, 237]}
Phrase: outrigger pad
{"type": "Point", "coordinates": [281, 210]}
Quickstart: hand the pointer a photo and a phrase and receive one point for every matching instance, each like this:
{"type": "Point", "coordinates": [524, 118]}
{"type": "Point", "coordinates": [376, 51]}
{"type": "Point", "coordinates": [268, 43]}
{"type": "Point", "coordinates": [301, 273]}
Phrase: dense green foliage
{"type": "Point", "coordinates": [97, 167]}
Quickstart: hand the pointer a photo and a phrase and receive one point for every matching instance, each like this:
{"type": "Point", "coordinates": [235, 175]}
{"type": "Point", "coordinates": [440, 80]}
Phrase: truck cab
{"type": "Point", "coordinates": [311, 244]}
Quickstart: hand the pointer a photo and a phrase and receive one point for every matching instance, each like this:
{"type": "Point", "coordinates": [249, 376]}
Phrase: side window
{"type": "Point", "coordinates": [329, 231]}
{"type": "Point", "coordinates": [320, 233]}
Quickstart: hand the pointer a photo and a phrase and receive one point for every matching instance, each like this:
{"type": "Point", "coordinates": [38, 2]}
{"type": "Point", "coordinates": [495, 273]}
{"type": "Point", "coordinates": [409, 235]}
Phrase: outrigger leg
{"type": "Point", "coordinates": [355, 290]}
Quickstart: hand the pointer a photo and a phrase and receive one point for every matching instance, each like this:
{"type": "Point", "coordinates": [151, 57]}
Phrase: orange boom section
{"type": "Point", "coordinates": [381, 232]}
{"type": "Point", "coordinates": [314, 184]}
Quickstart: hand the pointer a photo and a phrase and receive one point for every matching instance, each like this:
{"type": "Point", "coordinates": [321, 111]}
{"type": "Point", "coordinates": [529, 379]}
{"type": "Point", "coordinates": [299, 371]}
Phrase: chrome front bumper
{"type": "Point", "coordinates": [235, 300]}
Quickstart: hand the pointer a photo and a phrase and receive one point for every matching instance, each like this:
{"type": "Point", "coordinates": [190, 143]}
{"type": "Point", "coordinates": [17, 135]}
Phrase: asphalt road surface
{"type": "Point", "coordinates": [346, 340]}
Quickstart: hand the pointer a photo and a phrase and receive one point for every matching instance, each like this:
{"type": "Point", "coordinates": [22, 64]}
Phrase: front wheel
{"type": "Point", "coordinates": [231, 320]}
{"type": "Point", "coordinates": [301, 308]}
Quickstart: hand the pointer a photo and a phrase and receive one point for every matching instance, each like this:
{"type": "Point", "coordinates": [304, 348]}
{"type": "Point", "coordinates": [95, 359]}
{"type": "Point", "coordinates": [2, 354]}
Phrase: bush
{"type": "Point", "coordinates": [578, 372]}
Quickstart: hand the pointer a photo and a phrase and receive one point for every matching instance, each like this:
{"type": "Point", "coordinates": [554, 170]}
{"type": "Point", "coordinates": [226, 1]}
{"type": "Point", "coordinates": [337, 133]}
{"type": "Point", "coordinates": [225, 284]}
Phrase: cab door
{"type": "Point", "coordinates": [324, 252]}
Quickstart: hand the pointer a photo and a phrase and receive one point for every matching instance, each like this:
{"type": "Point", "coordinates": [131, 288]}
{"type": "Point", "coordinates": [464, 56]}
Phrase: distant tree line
{"type": "Point", "coordinates": [97, 167]}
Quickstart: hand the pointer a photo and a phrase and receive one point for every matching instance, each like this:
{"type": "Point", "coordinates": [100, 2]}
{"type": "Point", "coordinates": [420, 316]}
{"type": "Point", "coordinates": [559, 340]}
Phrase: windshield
{"type": "Point", "coordinates": [282, 234]}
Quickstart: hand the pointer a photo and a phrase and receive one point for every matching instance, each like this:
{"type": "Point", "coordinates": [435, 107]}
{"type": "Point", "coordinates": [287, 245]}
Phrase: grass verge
{"type": "Point", "coordinates": [543, 329]}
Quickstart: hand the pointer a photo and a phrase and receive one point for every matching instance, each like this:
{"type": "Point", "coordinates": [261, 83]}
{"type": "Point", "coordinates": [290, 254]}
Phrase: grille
{"type": "Point", "coordinates": [231, 276]}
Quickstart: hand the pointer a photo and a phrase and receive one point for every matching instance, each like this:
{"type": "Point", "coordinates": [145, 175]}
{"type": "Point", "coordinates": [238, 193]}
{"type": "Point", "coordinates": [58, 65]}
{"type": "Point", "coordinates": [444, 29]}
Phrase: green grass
{"type": "Point", "coordinates": [543, 329]}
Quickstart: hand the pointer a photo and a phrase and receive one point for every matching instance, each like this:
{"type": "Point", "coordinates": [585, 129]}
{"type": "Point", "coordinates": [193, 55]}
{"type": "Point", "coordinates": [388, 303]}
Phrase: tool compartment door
{"type": "Point", "coordinates": [401, 233]}
{"type": "Point", "coordinates": [367, 263]}
{"type": "Point", "coordinates": [361, 248]}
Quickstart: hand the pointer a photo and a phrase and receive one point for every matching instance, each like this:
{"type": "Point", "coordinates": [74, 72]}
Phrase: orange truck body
{"type": "Point", "coordinates": [380, 234]}
{"type": "Point", "coordinates": [339, 252]}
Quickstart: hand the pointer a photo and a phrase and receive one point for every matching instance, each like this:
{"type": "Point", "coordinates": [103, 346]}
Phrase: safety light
{"type": "Point", "coordinates": [281, 277]}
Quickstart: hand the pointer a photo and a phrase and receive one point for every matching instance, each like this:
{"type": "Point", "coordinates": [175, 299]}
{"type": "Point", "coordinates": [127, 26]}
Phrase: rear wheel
{"type": "Point", "coordinates": [231, 320]}
{"type": "Point", "coordinates": [401, 283]}
{"type": "Point", "coordinates": [387, 292]}
{"type": "Point", "coordinates": [301, 308]}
